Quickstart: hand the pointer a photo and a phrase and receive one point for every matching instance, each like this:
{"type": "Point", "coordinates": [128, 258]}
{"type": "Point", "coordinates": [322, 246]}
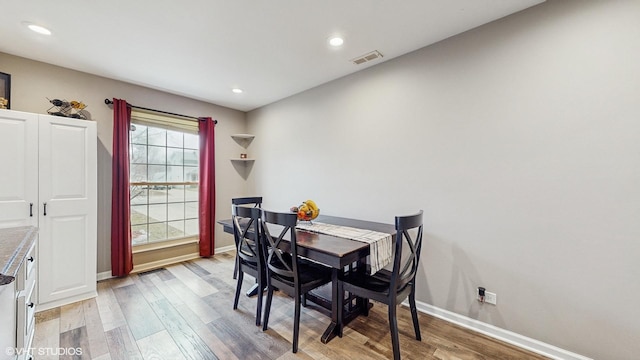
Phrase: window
{"type": "Point", "coordinates": [164, 183]}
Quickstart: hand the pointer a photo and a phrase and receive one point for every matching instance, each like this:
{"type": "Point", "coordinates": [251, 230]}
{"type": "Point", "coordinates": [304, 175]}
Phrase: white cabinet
{"type": "Point", "coordinates": [50, 181]}
{"type": "Point", "coordinates": [8, 323]}
{"type": "Point", "coordinates": [17, 291]}
{"type": "Point", "coordinates": [19, 175]}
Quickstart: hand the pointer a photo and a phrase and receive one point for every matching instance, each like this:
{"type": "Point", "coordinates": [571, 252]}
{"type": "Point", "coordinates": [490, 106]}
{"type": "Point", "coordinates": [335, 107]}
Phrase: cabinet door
{"type": "Point", "coordinates": [19, 175]}
{"type": "Point", "coordinates": [8, 323]}
{"type": "Point", "coordinates": [68, 208]}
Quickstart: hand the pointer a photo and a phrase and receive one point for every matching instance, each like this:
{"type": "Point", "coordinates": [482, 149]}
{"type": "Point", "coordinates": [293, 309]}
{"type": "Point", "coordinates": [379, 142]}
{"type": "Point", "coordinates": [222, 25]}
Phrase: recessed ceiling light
{"type": "Point", "coordinates": [39, 29]}
{"type": "Point", "coordinates": [336, 41]}
{"type": "Point", "coordinates": [237, 90]}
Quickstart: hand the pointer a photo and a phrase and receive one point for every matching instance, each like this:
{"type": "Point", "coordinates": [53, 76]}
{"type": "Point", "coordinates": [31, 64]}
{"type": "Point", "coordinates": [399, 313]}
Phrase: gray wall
{"type": "Point", "coordinates": [521, 142]}
{"type": "Point", "coordinates": [33, 82]}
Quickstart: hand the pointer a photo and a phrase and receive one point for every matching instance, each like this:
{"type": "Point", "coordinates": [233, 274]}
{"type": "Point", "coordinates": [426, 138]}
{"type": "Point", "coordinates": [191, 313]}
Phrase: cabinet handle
{"type": "Point", "coordinates": [30, 259]}
{"type": "Point", "coordinates": [45, 209]}
{"type": "Point", "coordinates": [31, 305]}
{"type": "Point", "coordinates": [31, 209]}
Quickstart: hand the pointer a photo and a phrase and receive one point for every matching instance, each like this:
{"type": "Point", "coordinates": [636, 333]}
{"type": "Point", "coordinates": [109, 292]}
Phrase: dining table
{"type": "Point", "coordinates": [338, 253]}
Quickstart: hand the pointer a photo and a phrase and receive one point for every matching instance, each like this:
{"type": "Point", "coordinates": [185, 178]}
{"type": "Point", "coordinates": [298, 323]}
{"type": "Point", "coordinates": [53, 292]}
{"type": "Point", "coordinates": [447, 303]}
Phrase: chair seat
{"type": "Point", "coordinates": [249, 268]}
{"type": "Point", "coordinates": [245, 262]}
{"type": "Point", "coordinates": [378, 282]}
{"type": "Point", "coordinates": [311, 274]}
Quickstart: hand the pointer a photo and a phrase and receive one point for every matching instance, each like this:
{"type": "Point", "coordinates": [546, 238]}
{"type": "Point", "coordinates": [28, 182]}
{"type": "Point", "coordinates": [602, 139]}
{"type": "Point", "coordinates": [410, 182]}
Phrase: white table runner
{"type": "Point", "coordinates": [380, 253]}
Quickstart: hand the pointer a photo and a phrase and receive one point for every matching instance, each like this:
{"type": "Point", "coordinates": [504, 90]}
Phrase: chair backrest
{"type": "Point", "coordinates": [246, 232]}
{"type": "Point", "coordinates": [409, 238]}
{"type": "Point", "coordinates": [256, 200]}
{"type": "Point", "coordinates": [278, 260]}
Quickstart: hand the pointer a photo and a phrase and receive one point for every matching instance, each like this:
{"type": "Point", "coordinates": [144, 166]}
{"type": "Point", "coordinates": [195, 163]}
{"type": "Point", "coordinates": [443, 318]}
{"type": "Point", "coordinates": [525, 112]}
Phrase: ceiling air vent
{"type": "Point", "coordinates": [375, 54]}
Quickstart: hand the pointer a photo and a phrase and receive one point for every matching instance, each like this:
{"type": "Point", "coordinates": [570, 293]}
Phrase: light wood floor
{"type": "Point", "coordinates": [185, 312]}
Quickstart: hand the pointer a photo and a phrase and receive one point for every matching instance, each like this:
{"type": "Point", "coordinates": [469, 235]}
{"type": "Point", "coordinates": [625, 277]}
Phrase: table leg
{"type": "Point", "coordinates": [362, 304]}
{"type": "Point", "coordinates": [336, 305]}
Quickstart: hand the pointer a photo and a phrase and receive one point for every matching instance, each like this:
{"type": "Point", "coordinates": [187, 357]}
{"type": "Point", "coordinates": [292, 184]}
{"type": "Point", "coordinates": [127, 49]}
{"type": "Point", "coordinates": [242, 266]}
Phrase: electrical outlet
{"type": "Point", "coordinates": [490, 298]}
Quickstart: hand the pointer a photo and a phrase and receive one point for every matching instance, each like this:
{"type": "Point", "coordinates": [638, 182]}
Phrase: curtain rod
{"type": "Point", "coordinates": [110, 102]}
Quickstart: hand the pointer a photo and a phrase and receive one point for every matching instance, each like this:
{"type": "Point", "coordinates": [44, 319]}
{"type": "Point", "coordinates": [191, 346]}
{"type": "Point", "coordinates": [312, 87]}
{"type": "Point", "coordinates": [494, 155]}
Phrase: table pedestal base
{"type": "Point", "coordinates": [253, 291]}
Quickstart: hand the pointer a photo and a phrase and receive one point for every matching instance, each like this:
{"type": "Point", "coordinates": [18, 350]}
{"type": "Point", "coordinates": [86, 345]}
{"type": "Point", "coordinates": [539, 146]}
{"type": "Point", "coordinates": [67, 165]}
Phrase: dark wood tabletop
{"type": "Point", "coordinates": [331, 250]}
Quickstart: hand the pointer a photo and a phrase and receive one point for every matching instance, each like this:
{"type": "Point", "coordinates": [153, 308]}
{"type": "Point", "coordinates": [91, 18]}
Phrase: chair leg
{"type": "Point", "coordinates": [238, 288]}
{"type": "Point", "coordinates": [259, 306]}
{"type": "Point", "coordinates": [262, 286]}
{"type": "Point", "coordinates": [267, 308]}
{"type": "Point", "coordinates": [296, 323]}
{"type": "Point", "coordinates": [414, 315]}
{"type": "Point", "coordinates": [393, 325]}
{"type": "Point", "coordinates": [235, 269]}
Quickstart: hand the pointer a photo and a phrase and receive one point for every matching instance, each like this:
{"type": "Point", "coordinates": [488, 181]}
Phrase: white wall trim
{"type": "Point", "coordinates": [225, 249]}
{"type": "Point", "coordinates": [65, 301]}
{"type": "Point", "coordinates": [106, 275]}
{"type": "Point", "coordinates": [507, 336]}
{"type": "Point", "coordinates": [164, 262]}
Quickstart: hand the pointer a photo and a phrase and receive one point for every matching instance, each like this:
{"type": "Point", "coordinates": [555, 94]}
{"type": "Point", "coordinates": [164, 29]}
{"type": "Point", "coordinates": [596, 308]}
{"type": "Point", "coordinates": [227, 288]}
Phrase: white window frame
{"type": "Point", "coordinates": [172, 124]}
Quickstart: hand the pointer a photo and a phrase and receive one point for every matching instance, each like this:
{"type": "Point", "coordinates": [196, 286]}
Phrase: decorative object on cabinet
{"type": "Point", "coordinates": [53, 185]}
{"type": "Point", "coordinates": [72, 109]}
{"type": "Point", "coordinates": [5, 91]}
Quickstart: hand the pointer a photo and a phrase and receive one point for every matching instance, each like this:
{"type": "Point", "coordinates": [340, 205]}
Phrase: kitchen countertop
{"type": "Point", "coordinates": [14, 245]}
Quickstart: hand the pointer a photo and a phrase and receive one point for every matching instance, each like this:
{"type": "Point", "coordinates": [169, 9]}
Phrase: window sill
{"type": "Point", "coordinates": [164, 244]}
{"type": "Point", "coordinates": [157, 255]}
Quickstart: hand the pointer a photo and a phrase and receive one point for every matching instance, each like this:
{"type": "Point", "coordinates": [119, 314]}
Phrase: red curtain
{"type": "Point", "coordinates": [207, 210]}
{"type": "Point", "coordinates": [121, 254]}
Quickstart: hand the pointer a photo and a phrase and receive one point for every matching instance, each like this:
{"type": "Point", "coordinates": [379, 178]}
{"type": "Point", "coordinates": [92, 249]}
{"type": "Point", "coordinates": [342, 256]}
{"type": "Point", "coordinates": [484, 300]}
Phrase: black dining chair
{"type": "Point", "coordinates": [392, 287]}
{"type": "Point", "coordinates": [250, 258]}
{"type": "Point", "coordinates": [256, 201]}
{"type": "Point", "coordinates": [286, 271]}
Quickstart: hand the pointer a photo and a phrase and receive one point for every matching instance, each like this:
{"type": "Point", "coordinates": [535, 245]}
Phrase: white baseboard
{"type": "Point", "coordinates": [105, 275]}
{"type": "Point", "coordinates": [65, 301]}
{"type": "Point", "coordinates": [225, 249]}
{"type": "Point", "coordinates": [507, 336]}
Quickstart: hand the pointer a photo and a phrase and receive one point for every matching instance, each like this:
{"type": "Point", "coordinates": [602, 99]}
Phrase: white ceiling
{"type": "Point", "coordinates": [203, 48]}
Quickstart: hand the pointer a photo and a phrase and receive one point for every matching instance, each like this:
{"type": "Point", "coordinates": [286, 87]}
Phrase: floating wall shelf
{"type": "Point", "coordinates": [243, 165]}
{"type": "Point", "coordinates": [243, 139]}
